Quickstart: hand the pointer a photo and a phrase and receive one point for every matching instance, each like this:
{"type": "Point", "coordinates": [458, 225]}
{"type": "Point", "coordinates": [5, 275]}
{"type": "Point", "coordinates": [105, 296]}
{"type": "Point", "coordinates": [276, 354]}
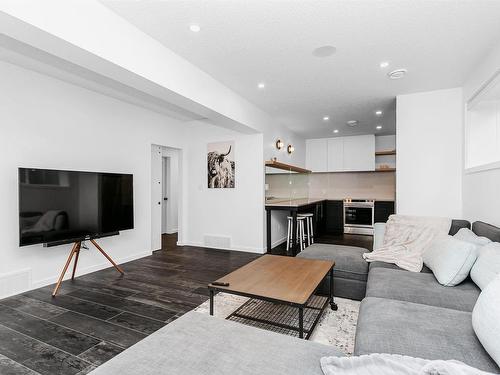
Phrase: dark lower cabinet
{"type": "Point", "coordinates": [383, 209]}
{"type": "Point", "coordinates": [334, 217]}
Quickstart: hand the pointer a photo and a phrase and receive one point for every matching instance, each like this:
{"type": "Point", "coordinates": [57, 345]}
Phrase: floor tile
{"type": "Point", "coordinates": [101, 353]}
{"type": "Point", "coordinates": [137, 322]}
{"type": "Point", "coordinates": [32, 306]}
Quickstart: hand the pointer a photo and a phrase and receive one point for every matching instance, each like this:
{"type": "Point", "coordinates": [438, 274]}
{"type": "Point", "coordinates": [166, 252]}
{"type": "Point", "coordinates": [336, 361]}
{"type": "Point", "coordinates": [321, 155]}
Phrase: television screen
{"type": "Point", "coordinates": [66, 206]}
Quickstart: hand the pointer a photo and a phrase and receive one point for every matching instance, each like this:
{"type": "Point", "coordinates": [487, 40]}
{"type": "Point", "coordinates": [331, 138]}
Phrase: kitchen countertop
{"type": "Point", "coordinates": [296, 202]}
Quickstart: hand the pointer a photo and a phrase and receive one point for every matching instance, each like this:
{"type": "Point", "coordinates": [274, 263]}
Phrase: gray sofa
{"type": "Point", "coordinates": [402, 313]}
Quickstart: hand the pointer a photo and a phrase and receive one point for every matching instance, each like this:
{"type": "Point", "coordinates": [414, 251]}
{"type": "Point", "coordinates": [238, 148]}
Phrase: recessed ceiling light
{"type": "Point", "coordinates": [397, 74]}
{"type": "Point", "coordinates": [261, 85]}
{"type": "Point", "coordinates": [352, 122]}
{"type": "Point", "coordinates": [378, 113]}
{"type": "Point", "coordinates": [384, 64]}
{"type": "Point", "coordinates": [195, 28]}
{"type": "Point", "coordinates": [378, 127]}
{"type": "Point", "coordinates": [336, 131]}
{"type": "Point", "coordinates": [326, 118]}
{"type": "Point", "coordinates": [324, 51]}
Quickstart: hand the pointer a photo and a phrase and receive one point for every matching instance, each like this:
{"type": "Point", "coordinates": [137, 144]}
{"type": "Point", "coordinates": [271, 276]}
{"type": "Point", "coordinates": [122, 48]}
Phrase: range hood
{"type": "Point", "coordinates": [286, 167]}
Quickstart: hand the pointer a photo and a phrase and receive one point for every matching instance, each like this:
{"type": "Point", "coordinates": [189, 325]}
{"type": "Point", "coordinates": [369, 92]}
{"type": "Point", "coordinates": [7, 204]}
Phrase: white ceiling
{"type": "Point", "coordinates": [242, 43]}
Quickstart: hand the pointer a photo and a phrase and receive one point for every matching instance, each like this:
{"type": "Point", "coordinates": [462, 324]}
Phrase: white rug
{"type": "Point", "coordinates": [335, 328]}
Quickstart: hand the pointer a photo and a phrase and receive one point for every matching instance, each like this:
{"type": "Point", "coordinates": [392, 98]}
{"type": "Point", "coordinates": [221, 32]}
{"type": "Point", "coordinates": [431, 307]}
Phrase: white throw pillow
{"type": "Point", "coordinates": [465, 234]}
{"type": "Point", "coordinates": [487, 265]}
{"type": "Point", "coordinates": [450, 259]}
{"type": "Point", "coordinates": [485, 319]}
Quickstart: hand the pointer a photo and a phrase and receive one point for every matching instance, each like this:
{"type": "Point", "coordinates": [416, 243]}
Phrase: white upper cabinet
{"type": "Point", "coordinates": [335, 155]}
{"type": "Point", "coordinates": [316, 155]}
{"type": "Point", "coordinates": [359, 153]}
{"type": "Point", "coordinates": [348, 154]}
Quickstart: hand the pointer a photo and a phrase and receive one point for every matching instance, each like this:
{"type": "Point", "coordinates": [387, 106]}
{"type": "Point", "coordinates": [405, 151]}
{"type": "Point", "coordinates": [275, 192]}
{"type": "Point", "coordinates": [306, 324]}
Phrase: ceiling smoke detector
{"type": "Point", "coordinates": [324, 51]}
{"type": "Point", "coordinates": [397, 74]}
{"type": "Point", "coordinates": [352, 122]}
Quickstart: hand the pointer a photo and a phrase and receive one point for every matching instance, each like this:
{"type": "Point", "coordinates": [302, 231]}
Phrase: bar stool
{"type": "Point", "coordinates": [309, 227]}
{"type": "Point", "coordinates": [300, 233]}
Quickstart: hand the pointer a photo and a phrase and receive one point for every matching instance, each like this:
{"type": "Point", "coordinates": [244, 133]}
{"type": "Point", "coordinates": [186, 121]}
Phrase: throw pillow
{"type": "Point", "coordinates": [393, 364]}
{"type": "Point", "coordinates": [487, 265]}
{"type": "Point", "coordinates": [485, 319]}
{"type": "Point", "coordinates": [465, 234]}
{"type": "Point", "coordinates": [450, 259]}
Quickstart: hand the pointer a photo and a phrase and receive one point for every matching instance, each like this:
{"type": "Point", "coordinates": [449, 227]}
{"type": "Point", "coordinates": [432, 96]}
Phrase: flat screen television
{"type": "Point", "coordinates": [57, 207]}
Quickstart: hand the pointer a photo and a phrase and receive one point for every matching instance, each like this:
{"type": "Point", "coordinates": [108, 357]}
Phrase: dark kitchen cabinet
{"type": "Point", "coordinates": [383, 209]}
{"type": "Point", "coordinates": [334, 217]}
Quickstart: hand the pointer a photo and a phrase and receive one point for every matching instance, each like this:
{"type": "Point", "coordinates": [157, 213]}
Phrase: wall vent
{"type": "Point", "coordinates": [15, 282]}
{"type": "Point", "coordinates": [219, 242]}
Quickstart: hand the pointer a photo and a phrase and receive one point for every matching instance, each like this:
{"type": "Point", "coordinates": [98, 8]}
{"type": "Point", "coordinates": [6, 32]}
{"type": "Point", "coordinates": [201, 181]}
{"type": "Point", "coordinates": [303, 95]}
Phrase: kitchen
{"type": "Point", "coordinates": [348, 184]}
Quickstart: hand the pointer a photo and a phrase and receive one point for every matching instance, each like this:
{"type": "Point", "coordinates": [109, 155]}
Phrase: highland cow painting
{"type": "Point", "coordinates": [220, 165]}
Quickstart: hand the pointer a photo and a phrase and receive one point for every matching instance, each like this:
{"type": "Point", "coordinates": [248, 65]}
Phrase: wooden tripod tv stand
{"type": "Point", "coordinates": [75, 251]}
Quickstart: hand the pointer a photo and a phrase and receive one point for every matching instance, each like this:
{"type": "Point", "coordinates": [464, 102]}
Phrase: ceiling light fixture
{"type": "Point", "coordinates": [378, 113]}
{"type": "Point", "coordinates": [336, 131]}
{"type": "Point", "coordinates": [290, 149]}
{"type": "Point", "coordinates": [324, 51]}
{"type": "Point", "coordinates": [326, 118]}
{"type": "Point", "coordinates": [352, 122]}
{"type": "Point", "coordinates": [384, 64]}
{"type": "Point", "coordinates": [195, 28]}
{"type": "Point", "coordinates": [378, 127]}
{"type": "Point", "coordinates": [397, 74]}
{"type": "Point", "coordinates": [261, 85]}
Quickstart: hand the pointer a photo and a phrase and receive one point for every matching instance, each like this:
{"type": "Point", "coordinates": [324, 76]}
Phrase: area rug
{"type": "Point", "coordinates": [336, 328]}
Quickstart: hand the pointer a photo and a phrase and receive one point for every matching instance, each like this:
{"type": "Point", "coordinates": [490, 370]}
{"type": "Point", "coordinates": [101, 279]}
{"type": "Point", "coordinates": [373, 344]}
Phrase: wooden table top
{"type": "Point", "coordinates": [287, 279]}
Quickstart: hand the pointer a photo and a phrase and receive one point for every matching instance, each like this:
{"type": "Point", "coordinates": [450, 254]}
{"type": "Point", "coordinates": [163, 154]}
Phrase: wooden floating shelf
{"type": "Point", "coordinates": [386, 152]}
{"type": "Point", "coordinates": [385, 170]}
{"type": "Point", "coordinates": [286, 167]}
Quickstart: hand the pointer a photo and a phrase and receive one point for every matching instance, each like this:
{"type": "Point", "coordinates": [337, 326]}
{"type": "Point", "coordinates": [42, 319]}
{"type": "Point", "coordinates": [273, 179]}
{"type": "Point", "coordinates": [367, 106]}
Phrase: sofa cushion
{"type": "Point", "coordinates": [486, 230]}
{"type": "Point", "coordinates": [485, 318]}
{"type": "Point", "coordinates": [398, 327]}
{"type": "Point", "coordinates": [392, 266]}
{"type": "Point", "coordinates": [450, 259]}
{"type": "Point", "coordinates": [205, 345]}
{"type": "Point", "coordinates": [487, 265]}
{"type": "Point", "coordinates": [467, 235]}
{"type": "Point", "coordinates": [349, 262]}
{"type": "Point", "coordinates": [421, 288]}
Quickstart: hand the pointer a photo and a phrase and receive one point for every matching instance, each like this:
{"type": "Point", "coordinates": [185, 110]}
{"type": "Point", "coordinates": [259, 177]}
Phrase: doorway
{"type": "Point", "coordinates": [165, 192]}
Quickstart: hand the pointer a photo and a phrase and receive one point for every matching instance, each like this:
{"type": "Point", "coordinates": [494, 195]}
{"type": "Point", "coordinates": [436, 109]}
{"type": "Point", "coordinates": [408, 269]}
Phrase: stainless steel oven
{"type": "Point", "coordinates": [358, 216]}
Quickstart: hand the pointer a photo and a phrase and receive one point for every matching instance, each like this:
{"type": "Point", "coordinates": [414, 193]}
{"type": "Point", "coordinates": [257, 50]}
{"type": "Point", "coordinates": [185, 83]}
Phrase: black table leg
{"type": "Point", "coordinates": [293, 248]}
{"type": "Point", "coordinates": [301, 322]}
{"type": "Point", "coordinates": [211, 302]}
{"type": "Point", "coordinates": [268, 230]}
{"type": "Point", "coordinates": [333, 305]}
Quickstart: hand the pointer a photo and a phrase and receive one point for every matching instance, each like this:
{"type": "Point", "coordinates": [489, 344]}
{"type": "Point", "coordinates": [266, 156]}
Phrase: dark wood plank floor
{"type": "Point", "coordinates": [100, 314]}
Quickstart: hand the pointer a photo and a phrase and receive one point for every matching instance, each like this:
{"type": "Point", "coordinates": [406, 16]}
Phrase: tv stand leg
{"type": "Point", "coordinates": [73, 251]}
{"type": "Point", "coordinates": [107, 257]}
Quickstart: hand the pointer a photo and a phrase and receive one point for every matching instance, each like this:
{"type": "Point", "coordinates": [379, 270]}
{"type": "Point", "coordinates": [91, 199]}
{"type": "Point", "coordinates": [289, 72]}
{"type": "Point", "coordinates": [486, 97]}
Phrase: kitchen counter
{"type": "Point", "coordinates": [297, 202]}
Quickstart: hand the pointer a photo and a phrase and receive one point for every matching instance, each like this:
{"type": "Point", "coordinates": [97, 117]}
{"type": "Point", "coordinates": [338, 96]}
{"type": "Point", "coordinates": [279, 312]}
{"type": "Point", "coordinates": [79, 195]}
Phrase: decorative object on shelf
{"type": "Point", "coordinates": [290, 149]}
{"type": "Point", "coordinates": [279, 144]}
{"type": "Point", "coordinates": [220, 165]}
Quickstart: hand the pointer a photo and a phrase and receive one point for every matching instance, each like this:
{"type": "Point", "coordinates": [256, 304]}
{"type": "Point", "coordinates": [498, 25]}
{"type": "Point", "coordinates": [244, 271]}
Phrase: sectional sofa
{"type": "Point", "coordinates": [401, 313]}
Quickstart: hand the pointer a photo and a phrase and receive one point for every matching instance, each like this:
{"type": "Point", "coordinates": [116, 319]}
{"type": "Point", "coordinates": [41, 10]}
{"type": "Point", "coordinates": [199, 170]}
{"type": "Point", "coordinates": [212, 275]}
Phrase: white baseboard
{"type": "Point", "coordinates": [90, 269]}
{"type": "Point", "coordinates": [240, 248]}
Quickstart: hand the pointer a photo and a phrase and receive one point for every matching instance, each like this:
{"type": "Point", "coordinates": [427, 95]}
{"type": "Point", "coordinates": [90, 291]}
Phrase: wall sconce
{"type": "Point", "coordinates": [290, 149]}
{"type": "Point", "coordinates": [279, 144]}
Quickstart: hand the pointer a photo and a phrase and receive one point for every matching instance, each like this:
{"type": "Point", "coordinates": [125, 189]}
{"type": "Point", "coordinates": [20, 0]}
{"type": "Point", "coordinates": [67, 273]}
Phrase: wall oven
{"type": "Point", "coordinates": [359, 216]}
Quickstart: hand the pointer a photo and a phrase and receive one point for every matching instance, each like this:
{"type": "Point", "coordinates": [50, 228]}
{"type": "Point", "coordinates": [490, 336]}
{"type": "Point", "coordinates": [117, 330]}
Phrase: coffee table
{"type": "Point", "coordinates": [279, 279]}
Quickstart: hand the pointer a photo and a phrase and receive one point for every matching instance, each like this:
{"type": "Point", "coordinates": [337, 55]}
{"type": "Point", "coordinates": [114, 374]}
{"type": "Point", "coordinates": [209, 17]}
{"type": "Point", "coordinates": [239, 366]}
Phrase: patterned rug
{"type": "Point", "coordinates": [335, 328]}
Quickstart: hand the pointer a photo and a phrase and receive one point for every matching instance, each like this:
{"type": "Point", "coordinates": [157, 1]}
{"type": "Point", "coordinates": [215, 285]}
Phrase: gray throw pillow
{"type": "Point", "coordinates": [485, 319]}
{"type": "Point", "coordinates": [465, 234]}
{"type": "Point", "coordinates": [487, 265]}
{"type": "Point", "coordinates": [450, 259]}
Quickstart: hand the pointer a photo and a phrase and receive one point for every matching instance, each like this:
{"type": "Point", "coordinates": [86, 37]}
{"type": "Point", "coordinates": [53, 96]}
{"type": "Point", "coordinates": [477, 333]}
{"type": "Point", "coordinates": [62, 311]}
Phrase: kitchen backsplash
{"type": "Point", "coordinates": [376, 185]}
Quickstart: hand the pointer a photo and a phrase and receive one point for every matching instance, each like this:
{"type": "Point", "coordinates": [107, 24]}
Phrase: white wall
{"type": "Point", "coordinates": [429, 153]}
{"type": "Point", "coordinates": [225, 218]}
{"type": "Point", "coordinates": [480, 189]}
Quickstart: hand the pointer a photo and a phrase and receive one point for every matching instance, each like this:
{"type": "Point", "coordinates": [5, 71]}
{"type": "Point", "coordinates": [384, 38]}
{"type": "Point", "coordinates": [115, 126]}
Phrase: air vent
{"type": "Point", "coordinates": [15, 282]}
{"type": "Point", "coordinates": [218, 242]}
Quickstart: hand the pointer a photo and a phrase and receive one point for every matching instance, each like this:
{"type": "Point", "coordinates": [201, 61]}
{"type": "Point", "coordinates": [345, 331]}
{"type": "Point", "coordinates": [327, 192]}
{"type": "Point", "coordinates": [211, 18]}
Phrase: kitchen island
{"type": "Point", "coordinates": [314, 205]}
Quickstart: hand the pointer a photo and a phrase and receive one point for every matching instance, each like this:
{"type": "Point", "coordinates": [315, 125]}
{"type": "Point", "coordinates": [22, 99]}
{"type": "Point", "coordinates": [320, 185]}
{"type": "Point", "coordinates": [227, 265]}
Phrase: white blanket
{"type": "Point", "coordinates": [406, 238]}
{"type": "Point", "coordinates": [394, 364]}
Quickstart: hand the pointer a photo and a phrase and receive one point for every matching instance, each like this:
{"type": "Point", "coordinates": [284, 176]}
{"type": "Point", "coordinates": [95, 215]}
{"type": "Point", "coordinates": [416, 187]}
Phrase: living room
{"type": "Point", "coordinates": [254, 98]}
